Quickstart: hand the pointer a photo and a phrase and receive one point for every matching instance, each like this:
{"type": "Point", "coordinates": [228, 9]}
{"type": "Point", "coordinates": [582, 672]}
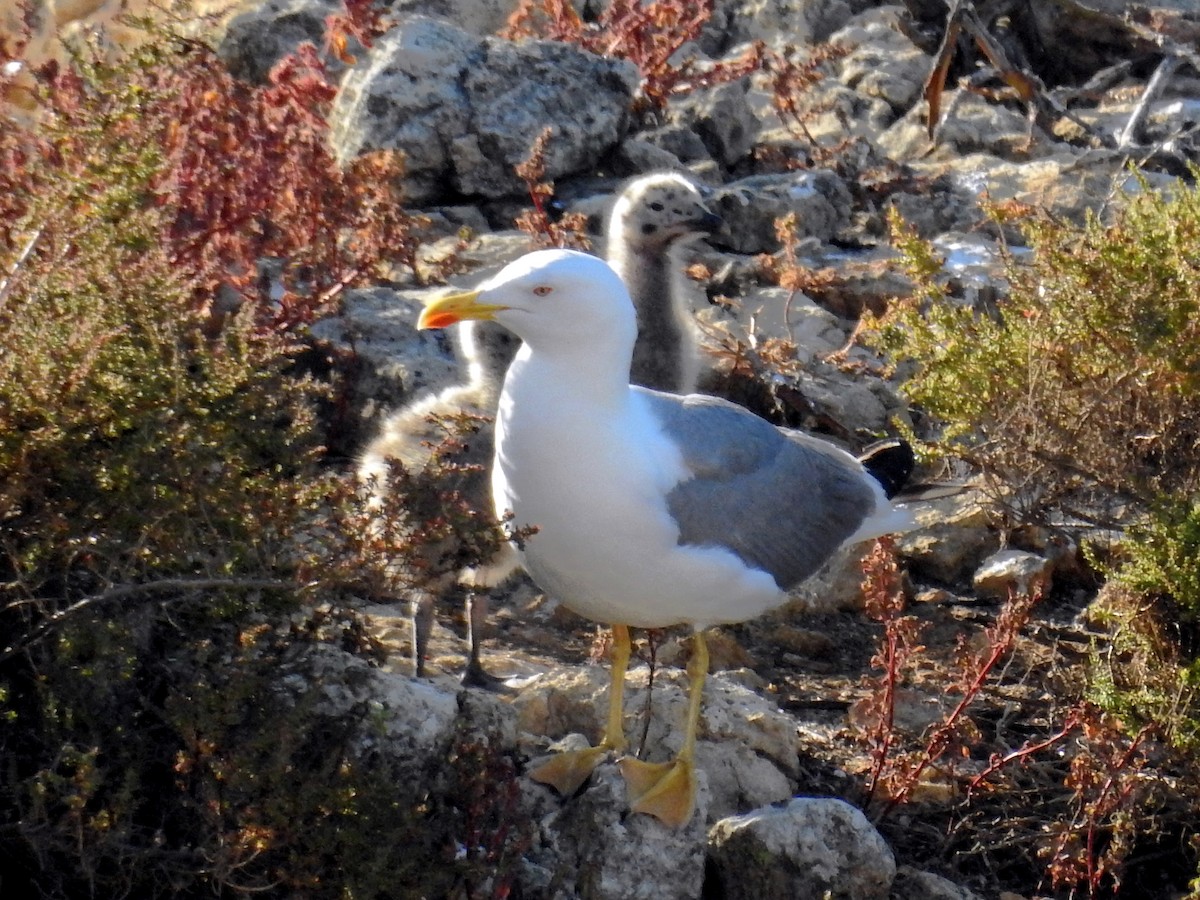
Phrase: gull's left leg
{"type": "Point", "coordinates": [567, 771]}
{"type": "Point", "coordinates": [667, 791]}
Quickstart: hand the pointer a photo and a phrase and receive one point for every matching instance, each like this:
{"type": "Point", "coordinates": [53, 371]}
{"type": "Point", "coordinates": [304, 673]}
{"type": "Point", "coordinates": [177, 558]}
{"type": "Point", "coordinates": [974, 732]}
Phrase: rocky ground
{"type": "Point", "coordinates": [785, 717]}
{"type": "Point", "coordinates": [787, 713]}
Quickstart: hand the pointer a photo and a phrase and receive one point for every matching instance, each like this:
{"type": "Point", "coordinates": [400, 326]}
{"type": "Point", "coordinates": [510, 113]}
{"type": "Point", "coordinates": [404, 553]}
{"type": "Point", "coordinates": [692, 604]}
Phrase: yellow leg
{"type": "Point", "coordinates": [567, 771]}
{"type": "Point", "coordinates": [667, 791]}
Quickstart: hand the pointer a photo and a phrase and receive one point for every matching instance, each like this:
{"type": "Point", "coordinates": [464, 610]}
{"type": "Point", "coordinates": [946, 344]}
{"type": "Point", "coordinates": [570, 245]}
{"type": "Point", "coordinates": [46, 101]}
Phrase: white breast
{"type": "Point", "coordinates": [593, 479]}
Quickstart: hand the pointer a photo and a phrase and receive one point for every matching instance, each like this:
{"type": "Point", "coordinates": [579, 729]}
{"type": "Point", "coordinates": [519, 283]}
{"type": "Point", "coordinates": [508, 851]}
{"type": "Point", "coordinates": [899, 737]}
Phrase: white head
{"type": "Point", "coordinates": [553, 300]}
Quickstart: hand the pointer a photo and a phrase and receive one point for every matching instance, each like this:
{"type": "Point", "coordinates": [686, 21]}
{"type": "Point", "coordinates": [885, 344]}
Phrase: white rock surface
{"type": "Point", "coordinates": [1013, 571]}
{"type": "Point", "coordinates": [810, 849]}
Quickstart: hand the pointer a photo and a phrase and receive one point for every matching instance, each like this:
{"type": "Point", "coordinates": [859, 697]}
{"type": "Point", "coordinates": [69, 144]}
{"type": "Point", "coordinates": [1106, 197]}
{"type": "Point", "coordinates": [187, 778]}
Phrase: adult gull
{"type": "Point", "coordinates": [652, 509]}
{"type": "Point", "coordinates": [652, 216]}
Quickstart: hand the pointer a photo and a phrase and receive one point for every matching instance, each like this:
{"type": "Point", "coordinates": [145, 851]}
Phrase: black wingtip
{"type": "Point", "coordinates": [891, 463]}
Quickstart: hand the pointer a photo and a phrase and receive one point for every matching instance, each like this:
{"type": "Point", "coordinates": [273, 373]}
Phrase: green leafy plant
{"type": "Point", "coordinates": [1079, 389]}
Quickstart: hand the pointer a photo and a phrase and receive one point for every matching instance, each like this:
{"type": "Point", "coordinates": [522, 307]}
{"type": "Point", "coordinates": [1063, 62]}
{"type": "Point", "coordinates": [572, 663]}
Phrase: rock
{"type": "Point", "coordinates": [596, 849]}
{"type": "Point", "coordinates": [803, 642]}
{"type": "Point", "coordinates": [407, 95]}
{"type": "Point", "coordinates": [723, 120]}
{"type": "Point", "coordinates": [914, 712]}
{"type": "Point", "coordinates": [679, 140]}
{"type": "Point", "coordinates": [779, 312]}
{"type": "Point", "coordinates": [1068, 183]}
{"type": "Point", "coordinates": [884, 63]}
{"type": "Point", "coordinates": [810, 849]}
{"type": "Point", "coordinates": [1013, 572]}
{"type": "Point", "coordinates": [778, 22]}
{"type": "Point", "coordinates": [950, 203]}
{"type": "Point", "coordinates": [746, 746]}
{"type": "Point", "coordinates": [819, 198]}
{"type": "Point", "coordinates": [857, 405]}
{"type": "Point", "coordinates": [969, 124]}
{"type": "Point", "coordinates": [465, 111]}
{"type": "Point", "coordinates": [413, 719]}
{"type": "Point", "coordinates": [934, 596]}
{"type": "Point", "coordinates": [393, 362]}
{"type": "Point", "coordinates": [952, 537]}
{"type": "Point", "coordinates": [481, 17]}
{"type": "Point", "coordinates": [255, 40]}
{"type": "Point", "coordinates": [739, 779]}
{"type": "Point", "coordinates": [836, 586]}
{"type": "Point", "coordinates": [911, 884]}
{"type": "Point", "coordinates": [638, 156]}
{"type": "Point", "coordinates": [517, 90]}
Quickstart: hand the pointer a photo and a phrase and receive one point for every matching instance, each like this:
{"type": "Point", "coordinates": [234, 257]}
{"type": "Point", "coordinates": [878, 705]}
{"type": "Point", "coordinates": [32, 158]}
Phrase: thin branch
{"type": "Point", "coordinates": [1158, 82]}
{"type": "Point", "coordinates": [7, 284]}
{"type": "Point", "coordinates": [132, 591]}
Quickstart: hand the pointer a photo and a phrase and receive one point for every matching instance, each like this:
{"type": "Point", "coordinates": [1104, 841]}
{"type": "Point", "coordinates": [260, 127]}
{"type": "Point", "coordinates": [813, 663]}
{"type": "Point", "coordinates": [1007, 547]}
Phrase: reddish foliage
{"type": "Point", "coordinates": [246, 180]}
{"type": "Point", "coordinates": [545, 230]}
{"type": "Point", "coordinates": [1108, 778]}
{"type": "Point", "coordinates": [250, 177]}
{"type": "Point", "coordinates": [899, 775]}
{"type": "Point", "coordinates": [648, 34]}
{"type": "Point", "coordinates": [884, 602]}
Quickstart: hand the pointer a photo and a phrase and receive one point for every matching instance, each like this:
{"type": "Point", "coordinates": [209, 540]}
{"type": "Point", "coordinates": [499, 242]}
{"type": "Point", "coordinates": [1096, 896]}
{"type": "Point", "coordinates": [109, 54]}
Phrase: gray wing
{"type": "Point", "coordinates": [782, 501]}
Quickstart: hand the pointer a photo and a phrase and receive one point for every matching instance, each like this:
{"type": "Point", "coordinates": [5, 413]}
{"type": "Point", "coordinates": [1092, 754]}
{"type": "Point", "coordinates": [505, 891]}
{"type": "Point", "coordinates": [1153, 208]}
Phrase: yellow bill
{"type": "Point", "coordinates": [446, 311]}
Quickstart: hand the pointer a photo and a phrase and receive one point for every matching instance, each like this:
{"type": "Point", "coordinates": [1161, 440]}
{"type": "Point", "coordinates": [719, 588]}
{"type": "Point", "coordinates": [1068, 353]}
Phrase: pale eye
{"type": "Point", "coordinates": [542, 290]}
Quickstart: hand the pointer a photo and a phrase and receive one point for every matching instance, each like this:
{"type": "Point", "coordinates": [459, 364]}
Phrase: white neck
{"type": "Point", "coordinates": [598, 377]}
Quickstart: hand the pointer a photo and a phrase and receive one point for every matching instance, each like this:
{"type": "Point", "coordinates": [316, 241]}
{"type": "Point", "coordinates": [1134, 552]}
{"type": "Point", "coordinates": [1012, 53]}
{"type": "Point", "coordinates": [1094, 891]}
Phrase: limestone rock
{"type": "Point", "coordinates": [519, 89]}
{"type": "Point", "coordinates": [1066, 182]}
{"type": "Point", "coordinates": [911, 884]}
{"type": "Point", "coordinates": [777, 22]}
{"type": "Point", "coordinates": [680, 141]}
{"type": "Point", "coordinates": [256, 39]}
{"type": "Point", "coordinates": [780, 312]}
{"type": "Point", "coordinates": [969, 124]}
{"type": "Point", "coordinates": [739, 779]}
{"type": "Point", "coordinates": [393, 362]}
{"type": "Point", "coordinates": [952, 537]}
{"type": "Point", "coordinates": [261, 35]}
{"type": "Point", "coordinates": [836, 586]}
{"type": "Point", "coordinates": [746, 747]}
{"type": "Point", "coordinates": [810, 849]}
{"type": "Point", "coordinates": [819, 199]}
{"type": "Point", "coordinates": [884, 63]}
{"type": "Point", "coordinates": [595, 849]}
{"type": "Point", "coordinates": [723, 120]}
{"type": "Point", "coordinates": [856, 404]}
{"type": "Point", "coordinates": [465, 111]}
{"type": "Point", "coordinates": [413, 719]}
{"type": "Point", "coordinates": [481, 17]}
{"type": "Point", "coordinates": [407, 95]}
{"type": "Point", "coordinates": [1013, 571]}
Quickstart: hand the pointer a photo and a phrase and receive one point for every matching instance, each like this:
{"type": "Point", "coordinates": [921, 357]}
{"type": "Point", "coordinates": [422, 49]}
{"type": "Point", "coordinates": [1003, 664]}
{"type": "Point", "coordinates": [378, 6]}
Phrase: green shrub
{"type": "Point", "coordinates": [1075, 396]}
{"type": "Point", "coordinates": [1079, 391]}
{"type": "Point", "coordinates": [1165, 557]}
{"type": "Point", "coordinates": [166, 517]}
